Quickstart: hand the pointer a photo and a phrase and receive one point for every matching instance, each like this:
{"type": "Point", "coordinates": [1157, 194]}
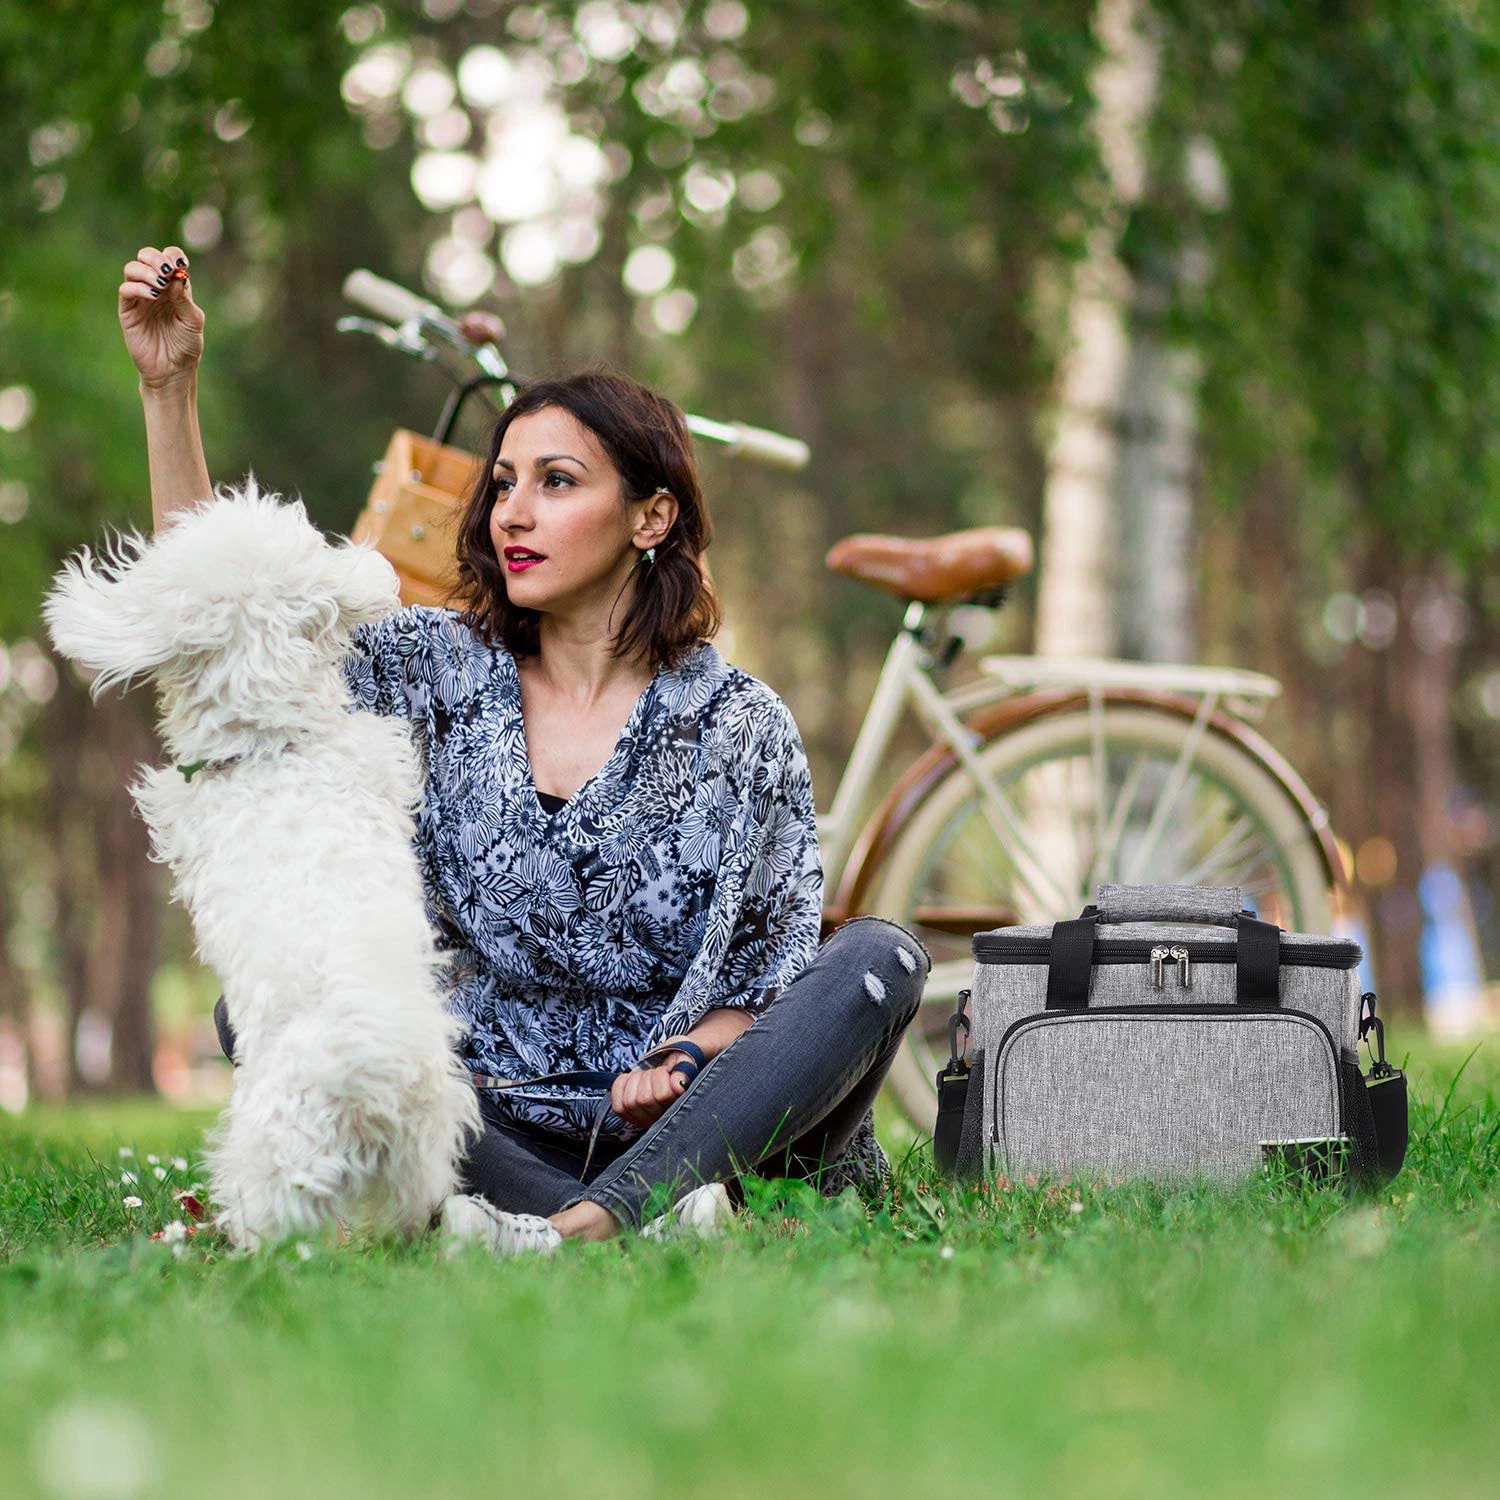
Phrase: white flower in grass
{"type": "Point", "coordinates": [131, 1201]}
{"type": "Point", "coordinates": [127, 1179]}
{"type": "Point", "coordinates": [174, 1233]}
{"type": "Point", "coordinates": [152, 1158]}
{"type": "Point", "coordinates": [179, 1164]}
{"type": "Point", "coordinates": [946, 1252]}
{"type": "Point", "coordinates": [126, 1153]}
{"type": "Point", "coordinates": [304, 1250]}
{"type": "Point", "coordinates": [1075, 1207]}
{"type": "Point", "coordinates": [159, 1173]}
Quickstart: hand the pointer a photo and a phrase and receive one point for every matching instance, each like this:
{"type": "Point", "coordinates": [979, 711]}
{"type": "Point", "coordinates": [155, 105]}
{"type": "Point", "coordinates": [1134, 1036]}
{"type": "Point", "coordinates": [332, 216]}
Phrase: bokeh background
{"type": "Point", "coordinates": [1206, 295]}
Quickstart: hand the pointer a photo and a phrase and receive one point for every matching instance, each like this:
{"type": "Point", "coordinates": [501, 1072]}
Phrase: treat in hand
{"type": "Point", "coordinates": [163, 326]}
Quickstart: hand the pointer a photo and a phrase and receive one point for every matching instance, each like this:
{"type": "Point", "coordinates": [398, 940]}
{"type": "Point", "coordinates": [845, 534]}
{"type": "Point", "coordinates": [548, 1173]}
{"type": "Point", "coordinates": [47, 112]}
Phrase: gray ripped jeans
{"type": "Point", "coordinates": [784, 1099]}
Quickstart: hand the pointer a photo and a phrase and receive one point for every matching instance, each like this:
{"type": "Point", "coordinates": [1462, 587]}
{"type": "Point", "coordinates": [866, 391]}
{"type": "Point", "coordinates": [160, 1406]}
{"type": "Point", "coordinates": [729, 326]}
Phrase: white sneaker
{"type": "Point", "coordinates": [706, 1212]}
{"type": "Point", "coordinates": [467, 1217]}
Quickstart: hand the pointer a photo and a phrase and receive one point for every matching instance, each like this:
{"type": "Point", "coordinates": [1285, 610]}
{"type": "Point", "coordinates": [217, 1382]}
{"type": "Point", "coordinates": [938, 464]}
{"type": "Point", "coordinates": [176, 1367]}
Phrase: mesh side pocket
{"type": "Point", "coordinates": [969, 1164]}
{"type": "Point", "coordinates": [1359, 1123]}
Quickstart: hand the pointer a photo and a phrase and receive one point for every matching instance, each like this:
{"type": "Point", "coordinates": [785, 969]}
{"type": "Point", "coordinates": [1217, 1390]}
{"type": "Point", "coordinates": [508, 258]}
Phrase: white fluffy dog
{"type": "Point", "coordinates": [290, 845]}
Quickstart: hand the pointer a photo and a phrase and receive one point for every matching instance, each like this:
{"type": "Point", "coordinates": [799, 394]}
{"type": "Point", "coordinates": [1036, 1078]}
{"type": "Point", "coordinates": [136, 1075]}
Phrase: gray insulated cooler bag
{"type": "Point", "coordinates": [1165, 1033]}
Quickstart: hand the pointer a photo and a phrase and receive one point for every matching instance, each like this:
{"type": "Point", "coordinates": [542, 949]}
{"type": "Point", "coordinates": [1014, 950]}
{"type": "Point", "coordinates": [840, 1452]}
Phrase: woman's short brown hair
{"type": "Point", "coordinates": [647, 441]}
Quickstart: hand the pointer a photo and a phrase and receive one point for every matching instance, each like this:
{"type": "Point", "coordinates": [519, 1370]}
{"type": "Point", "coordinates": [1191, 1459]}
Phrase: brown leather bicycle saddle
{"type": "Point", "coordinates": [939, 568]}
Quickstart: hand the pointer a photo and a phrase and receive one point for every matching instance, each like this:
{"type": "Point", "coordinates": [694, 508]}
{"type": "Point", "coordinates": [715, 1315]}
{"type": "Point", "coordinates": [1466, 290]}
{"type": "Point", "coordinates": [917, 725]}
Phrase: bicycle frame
{"type": "Point", "coordinates": [904, 681]}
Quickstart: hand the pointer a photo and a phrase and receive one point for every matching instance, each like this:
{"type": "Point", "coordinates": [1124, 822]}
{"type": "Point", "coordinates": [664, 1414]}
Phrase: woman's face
{"type": "Point", "coordinates": [558, 496]}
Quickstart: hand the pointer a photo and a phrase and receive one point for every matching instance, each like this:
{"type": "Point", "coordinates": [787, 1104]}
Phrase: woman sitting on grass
{"type": "Point", "coordinates": [617, 838]}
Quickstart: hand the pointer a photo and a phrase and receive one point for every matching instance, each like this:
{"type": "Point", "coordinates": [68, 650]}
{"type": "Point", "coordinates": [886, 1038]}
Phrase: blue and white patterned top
{"type": "Point", "coordinates": [683, 876]}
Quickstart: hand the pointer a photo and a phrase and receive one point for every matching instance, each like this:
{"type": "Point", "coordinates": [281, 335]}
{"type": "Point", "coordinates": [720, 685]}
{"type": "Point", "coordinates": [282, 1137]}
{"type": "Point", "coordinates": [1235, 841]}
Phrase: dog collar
{"type": "Point", "coordinates": [188, 772]}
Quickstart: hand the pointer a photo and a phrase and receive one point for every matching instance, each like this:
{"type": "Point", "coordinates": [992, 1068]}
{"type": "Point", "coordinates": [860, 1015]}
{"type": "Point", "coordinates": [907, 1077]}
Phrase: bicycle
{"type": "Point", "coordinates": [1044, 777]}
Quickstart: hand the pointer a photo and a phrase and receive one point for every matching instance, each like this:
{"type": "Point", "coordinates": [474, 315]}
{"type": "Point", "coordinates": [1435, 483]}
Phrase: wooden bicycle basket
{"type": "Point", "coordinates": [412, 514]}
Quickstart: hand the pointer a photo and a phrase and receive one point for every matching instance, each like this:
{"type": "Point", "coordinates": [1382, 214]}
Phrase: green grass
{"type": "Point", "coordinates": [1120, 1342]}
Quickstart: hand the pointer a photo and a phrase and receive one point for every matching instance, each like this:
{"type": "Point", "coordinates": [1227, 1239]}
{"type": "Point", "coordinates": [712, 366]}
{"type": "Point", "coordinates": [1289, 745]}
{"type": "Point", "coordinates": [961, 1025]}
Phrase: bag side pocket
{"type": "Point", "coordinates": [969, 1167]}
{"type": "Point", "coordinates": [1359, 1123]}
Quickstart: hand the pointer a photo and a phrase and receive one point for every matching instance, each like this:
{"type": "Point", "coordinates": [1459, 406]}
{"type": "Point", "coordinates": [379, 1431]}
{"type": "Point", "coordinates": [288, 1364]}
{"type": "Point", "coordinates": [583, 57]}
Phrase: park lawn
{"type": "Point", "coordinates": [1038, 1342]}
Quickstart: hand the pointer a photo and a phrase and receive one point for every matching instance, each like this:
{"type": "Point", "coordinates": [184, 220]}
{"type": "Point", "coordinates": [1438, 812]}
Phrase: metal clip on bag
{"type": "Point", "coordinates": [1167, 1032]}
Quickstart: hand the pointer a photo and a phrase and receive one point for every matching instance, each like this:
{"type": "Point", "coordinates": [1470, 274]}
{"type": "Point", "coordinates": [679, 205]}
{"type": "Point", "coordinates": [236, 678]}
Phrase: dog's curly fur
{"type": "Point", "coordinates": [294, 860]}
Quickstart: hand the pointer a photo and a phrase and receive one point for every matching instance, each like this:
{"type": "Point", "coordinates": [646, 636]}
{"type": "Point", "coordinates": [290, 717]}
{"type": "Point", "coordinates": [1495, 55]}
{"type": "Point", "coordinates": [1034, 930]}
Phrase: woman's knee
{"type": "Point", "coordinates": [877, 936]}
{"type": "Point", "coordinates": [889, 966]}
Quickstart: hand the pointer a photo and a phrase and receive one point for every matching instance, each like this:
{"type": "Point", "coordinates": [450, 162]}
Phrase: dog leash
{"type": "Point", "coordinates": [598, 1078]}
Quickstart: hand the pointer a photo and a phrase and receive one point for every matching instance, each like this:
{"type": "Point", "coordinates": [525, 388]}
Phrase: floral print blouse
{"type": "Point", "coordinates": [683, 876]}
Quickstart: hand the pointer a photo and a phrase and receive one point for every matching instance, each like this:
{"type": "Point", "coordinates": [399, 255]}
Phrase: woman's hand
{"type": "Point", "coordinates": [643, 1096]}
{"type": "Point", "coordinates": [163, 326]}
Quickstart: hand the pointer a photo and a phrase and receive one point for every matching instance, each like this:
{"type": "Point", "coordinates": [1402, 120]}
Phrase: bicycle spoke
{"type": "Point", "coordinates": [980, 856]}
{"type": "Point", "coordinates": [1256, 890]}
{"type": "Point", "coordinates": [1105, 863]}
{"type": "Point", "coordinates": [1175, 783]}
{"type": "Point", "coordinates": [1179, 839]}
{"type": "Point", "coordinates": [1240, 874]}
{"type": "Point", "coordinates": [1101, 782]}
{"type": "Point", "coordinates": [997, 811]}
{"type": "Point", "coordinates": [1080, 865]}
{"type": "Point", "coordinates": [1223, 855]}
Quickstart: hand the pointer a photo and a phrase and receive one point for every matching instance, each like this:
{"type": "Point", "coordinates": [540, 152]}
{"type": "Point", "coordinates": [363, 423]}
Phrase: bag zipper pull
{"type": "Point", "coordinates": [1185, 974]}
{"type": "Point", "coordinates": [1161, 957]}
{"type": "Point", "coordinates": [1158, 957]}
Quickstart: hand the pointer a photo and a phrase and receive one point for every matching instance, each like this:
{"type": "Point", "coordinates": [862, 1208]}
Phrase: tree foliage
{"type": "Point", "coordinates": [1351, 315]}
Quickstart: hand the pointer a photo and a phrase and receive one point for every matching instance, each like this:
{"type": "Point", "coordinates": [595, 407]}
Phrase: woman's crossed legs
{"type": "Point", "coordinates": [784, 1099]}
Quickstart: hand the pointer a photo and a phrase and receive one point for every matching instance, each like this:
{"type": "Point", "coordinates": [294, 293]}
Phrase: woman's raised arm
{"type": "Point", "coordinates": [163, 330]}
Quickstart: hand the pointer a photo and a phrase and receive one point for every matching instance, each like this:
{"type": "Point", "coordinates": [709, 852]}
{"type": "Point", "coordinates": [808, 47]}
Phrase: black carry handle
{"type": "Point", "coordinates": [1257, 977]}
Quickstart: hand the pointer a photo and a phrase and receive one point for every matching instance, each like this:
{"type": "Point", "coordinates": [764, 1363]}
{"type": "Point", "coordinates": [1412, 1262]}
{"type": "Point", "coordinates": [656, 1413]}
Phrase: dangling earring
{"type": "Point", "coordinates": [661, 489]}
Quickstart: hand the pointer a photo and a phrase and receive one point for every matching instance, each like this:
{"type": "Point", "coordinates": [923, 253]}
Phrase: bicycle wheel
{"type": "Point", "coordinates": [1090, 808]}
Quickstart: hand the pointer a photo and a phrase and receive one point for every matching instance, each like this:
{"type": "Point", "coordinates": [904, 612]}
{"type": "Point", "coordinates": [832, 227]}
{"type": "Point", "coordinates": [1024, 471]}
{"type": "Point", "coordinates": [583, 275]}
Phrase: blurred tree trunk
{"type": "Point", "coordinates": [1076, 613]}
{"type": "Point", "coordinates": [129, 903]}
{"type": "Point", "coordinates": [618, 304]}
{"type": "Point", "coordinates": [64, 724]}
{"type": "Point", "coordinates": [1409, 774]}
{"type": "Point", "coordinates": [15, 986]}
{"type": "Point", "coordinates": [1155, 481]}
{"type": "Point", "coordinates": [1252, 549]}
{"type": "Point", "coordinates": [106, 895]}
{"type": "Point", "coordinates": [1389, 776]}
{"type": "Point", "coordinates": [1431, 609]}
{"type": "Point", "coordinates": [806, 524]}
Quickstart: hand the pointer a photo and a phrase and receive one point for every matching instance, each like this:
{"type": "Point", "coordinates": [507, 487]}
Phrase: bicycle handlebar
{"type": "Point", "coordinates": [397, 305]}
{"type": "Point", "coordinates": [764, 446]}
{"type": "Point", "coordinates": [387, 300]}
